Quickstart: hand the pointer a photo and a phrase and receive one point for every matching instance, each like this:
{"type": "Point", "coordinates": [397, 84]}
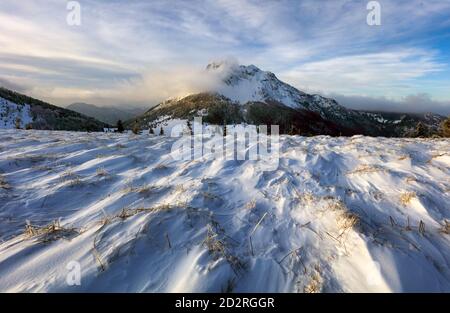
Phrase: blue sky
{"type": "Point", "coordinates": [140, 51]}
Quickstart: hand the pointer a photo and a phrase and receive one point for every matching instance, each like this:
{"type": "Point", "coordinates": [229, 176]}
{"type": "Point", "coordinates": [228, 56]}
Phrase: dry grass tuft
{"type": "Point", "coordinates": [307, 197]}
{"type": "Point", "coordinates": [69, 175]}
{"type": "Point", "coordinates": [45, 168]}
{"type": "Point", "coordinates": [366, 169]}
{"type": "Point", "coordinates": [102, 172]}
{"type": "Point", "coordinates": [337, 205]}
{"type": "Point", "coordinates": [406, 197]}
{"type": "Point", "coordinates": [51, 232]}
{"type": "Point", "coordinates": [144, 189]}
{"type": "Point", "coordinates": [4, 184]}
{"type": "Point", "coordinates": [250, 205]}
{"type": "Point", "coordinates": [438, 155]}
{"type": "Point", "coordinates": [180, 188]}
{"type": "Point", "coordinates": [445, 229]}
{"type": "Point", "coordinates": [214, 245]}
{"type": "Point", "coordinates": [209, 195]}
{"type": "Point", "coordinates": [126, 213]}
{"type": "Point", "coordinates": [218, 248]}
{"type": "Point", "coordinates": [315, 283]}
{"type": "Point", "coordinates": [347, 221]}
{"type": "Point", "coordinates": [161, 167]}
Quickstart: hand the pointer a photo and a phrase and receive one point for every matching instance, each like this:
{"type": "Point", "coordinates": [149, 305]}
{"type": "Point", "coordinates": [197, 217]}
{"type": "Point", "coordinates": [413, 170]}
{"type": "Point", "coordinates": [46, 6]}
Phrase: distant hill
{"type": "Point", "coordinates": [106, 114]}
{"type": "Point", "coordinates": [18, 110]}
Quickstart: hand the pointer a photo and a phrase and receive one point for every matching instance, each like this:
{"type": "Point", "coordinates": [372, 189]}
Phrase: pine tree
{"type": "Point", "coordinates": [18, 122]}
{"type": "Point", "coordinates": [445, 127]}
{"type": "Point", "coordinates": [120, 128]}
{"type": "Point", "coordinates": [421, 130]}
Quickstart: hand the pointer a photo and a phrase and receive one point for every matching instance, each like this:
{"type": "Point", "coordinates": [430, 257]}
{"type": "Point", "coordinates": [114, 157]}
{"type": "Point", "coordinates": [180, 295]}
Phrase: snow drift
{"type": "Point", "coordinates": [338, 215]}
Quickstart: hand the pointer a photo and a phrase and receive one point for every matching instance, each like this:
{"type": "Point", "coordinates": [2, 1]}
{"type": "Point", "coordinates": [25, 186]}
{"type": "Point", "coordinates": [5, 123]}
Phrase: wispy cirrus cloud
{"type": "Point", "coordinates": [370, 74]}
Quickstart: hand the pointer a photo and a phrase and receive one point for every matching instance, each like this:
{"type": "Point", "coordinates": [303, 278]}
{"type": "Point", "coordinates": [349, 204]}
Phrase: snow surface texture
{"type": "Point", "coordinates": [10, 111]}
{"type": "Point", "coordinates": [338, 215]}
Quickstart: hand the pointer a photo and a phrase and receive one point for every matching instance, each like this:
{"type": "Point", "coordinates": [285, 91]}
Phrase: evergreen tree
{"type": "Point", "coordinates": [17, 122]}
{"type": "Point", "coordinates": [120, 128]}
{"type": "Point", "coordinates": [446, 127]}
{"type": "Point", "coordinates": [421, 130]}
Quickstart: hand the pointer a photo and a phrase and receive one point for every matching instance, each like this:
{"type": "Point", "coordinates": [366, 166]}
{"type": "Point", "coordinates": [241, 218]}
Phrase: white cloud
{"type": "Point", "coordinates": [133, 45]}
{"type": "Point", "coordinates": [365, 74]}
{"type": "Point", "coordinates": [421, 103]}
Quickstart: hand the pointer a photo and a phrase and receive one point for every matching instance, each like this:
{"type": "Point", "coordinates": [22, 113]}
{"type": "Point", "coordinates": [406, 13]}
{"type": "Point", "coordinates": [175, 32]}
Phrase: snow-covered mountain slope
{"type": "Point", "coordinates": [245, 84]}
{"type": "Point", "coordinates": [13, 115]}
{"type": "Point", "coordinates": [250, 84]}
{"type": "Point", "coordinates": [218, 109]}
{"type": "Point", "coordinates": [20, 111]}
{"type": "Point", "coordinates": [239, 87]}
{"type": "Point", "coordinates": [338, 214]}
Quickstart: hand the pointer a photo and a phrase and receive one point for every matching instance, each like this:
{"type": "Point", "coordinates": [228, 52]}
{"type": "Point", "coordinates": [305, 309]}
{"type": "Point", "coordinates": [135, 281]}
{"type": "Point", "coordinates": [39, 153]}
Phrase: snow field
{"type": "Point", "coordinates": [338, 215]}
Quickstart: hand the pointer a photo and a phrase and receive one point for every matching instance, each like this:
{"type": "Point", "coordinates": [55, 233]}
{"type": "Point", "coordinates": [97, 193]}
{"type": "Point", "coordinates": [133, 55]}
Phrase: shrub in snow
{"type": "Point", "coordinates": [136, 128]}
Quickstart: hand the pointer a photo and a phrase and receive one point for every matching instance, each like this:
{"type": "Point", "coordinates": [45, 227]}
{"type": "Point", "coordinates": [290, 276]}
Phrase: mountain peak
{"type": "Point", "coordinates": [230, 68]}
{"type": "Point", "coordinates": [222, 65]}
{"type": "Point", "coordinates": [248, 83]}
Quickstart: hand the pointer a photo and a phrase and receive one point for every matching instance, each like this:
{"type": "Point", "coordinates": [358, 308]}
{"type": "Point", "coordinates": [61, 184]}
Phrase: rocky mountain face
{"type": "Point", "coordinates": [20, 111]}
{"type": "Point", "coordinates": [106, 114]}
{"type": "Point", "coordinates": [247, 94]}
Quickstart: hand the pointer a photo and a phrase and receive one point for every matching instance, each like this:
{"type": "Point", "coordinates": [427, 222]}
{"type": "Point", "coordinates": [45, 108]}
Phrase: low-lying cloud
{"type": "Point", "coordinates": [150, 88]}
{"type": "Point", "coordinates": [10, 85]}
{"type": "Point", "coordinates": [418, 103]}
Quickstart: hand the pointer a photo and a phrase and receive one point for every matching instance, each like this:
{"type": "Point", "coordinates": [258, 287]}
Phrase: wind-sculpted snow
{"type": "Point", "coordinates": [338, 215]}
